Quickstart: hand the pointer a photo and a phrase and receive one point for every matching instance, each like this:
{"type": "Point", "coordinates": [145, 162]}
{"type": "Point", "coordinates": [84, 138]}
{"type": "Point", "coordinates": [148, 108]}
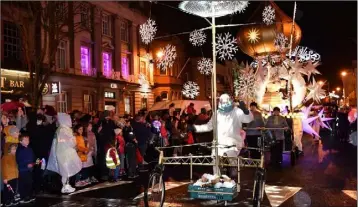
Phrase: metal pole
{"type": "Point", "coordinates": [191, 167]}
{"type": "Point", "coordinates": [213, 86]}
{"type": "Point", "coordinates": [290, 54]}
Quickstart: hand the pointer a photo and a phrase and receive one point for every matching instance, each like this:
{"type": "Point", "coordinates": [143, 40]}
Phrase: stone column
{"type": "Point", "coordinates": [133, 35]}
{"type": "Point", "coordinates": [117, 55]}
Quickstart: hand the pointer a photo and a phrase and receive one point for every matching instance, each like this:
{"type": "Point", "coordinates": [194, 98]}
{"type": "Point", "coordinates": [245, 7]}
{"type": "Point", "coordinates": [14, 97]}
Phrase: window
{"type": "Point", "coordinates": [85, 60]}
{"type": "Point", "coordinates": [124, 31]}
{"type": "Point", "coordinates": [110, 95]}
{"type": "Point", "coordinates": [144, 103]}
{"type": "Point", "coordinates": [143, 68]}
{"type": "Point", "coordinates": [162, 72]}
{"type": "Point", "coordinates": [125, 66]}
{"type": "Point", "coordinates": [164, 95]}
{"type": "Point", "coordinates": [62, 102]}
{"type": "Point", "coordinates": [85, 16]}
{"type": "Point", "coordinates": [61, 11]}
{"type": "Point", "coordinates": [12, 41]}
{"type": "Point", "coordinates": [61, 55]}
{"type": "Point", "coordinates": [127, 105]}
{"type": "Point", "coordinates": [87, 103]}
{"type": "Point", "coordinates": [106, 25]}
{"type": "Point", "coordinates": [107, 64]}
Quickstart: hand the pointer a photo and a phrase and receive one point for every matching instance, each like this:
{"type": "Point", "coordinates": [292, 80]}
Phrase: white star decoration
{"type": "Point", "coordinates": [306, 121]}
{"type": "Point", "coordinates": [296, 71]}
{"type": "Point", "coordinates": [168, 57]}
{"type": "Point", "coordinates": [268, 15]}
{"type": "Point", "coordinates": [147, 31]}
{"type": "Point", "coordinates": [197, 37]}
{"type": "Point", "coordinates": [310, 69]}
{"type": "Point", "coordinates": [225, 46]}
{"type": "Point", "coordinates": [205, 66]}
{"type": "Point", "coordinates": [190, 89]}
{"type": "Point", "coordinates": [323, 120]}
{"type": "Point", "coordinates": [316, 91]}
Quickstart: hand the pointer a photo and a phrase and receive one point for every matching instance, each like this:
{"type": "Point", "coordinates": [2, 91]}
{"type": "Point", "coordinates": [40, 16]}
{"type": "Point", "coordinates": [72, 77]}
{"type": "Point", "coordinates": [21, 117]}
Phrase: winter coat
{"type": "Point", "coordinates": [121, 144]}
{"type": "Point", "coordinates": [41, 137]}
{"type": "Point", "coordinates": [257, 122]}
{"type": "Point", "coordinates": [277, 122]}
{"type": "Point", "coordinates": [24, 156]}
{"type": "Point", "coordinates": [82, 149]}
{"type": "Point", "coordinates": [141, 132]}
{"type": "Point", "coordinates": [112, 156]}
{"type": "Point", "coordinates": [9, 167]}
{"type": "Point", "coordinates": [106, 135]}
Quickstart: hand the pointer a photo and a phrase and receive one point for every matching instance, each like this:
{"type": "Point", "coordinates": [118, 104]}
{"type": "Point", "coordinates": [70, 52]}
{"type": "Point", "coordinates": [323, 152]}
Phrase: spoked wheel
{"type": "Point", "coordinates": [154, 194]}
{"type": "Point", "coordinates": [259, 187]}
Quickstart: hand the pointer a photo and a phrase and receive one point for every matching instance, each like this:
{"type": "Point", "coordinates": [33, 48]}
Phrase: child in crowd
{"type": "Point", "coordinates": [112, 161]}
{"type": "Point", "coordinates": [11, 136]}
{"type": "Point", "coordinates": [82, 152]}
{"type": "Point", "coordinates": [120, 149]}
{"type": "Point", "coordinates": [10, 175]}
{"type": "Point", "coordinates": [164, 134]}
{"type": "Point", "coordinates": [90, 139]}
{"type": "Point", "coordinates": [25, 159]}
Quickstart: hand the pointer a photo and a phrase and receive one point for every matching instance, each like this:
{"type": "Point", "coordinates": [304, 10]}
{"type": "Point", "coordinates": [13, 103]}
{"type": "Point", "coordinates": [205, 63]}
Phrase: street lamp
{"type": "Point", "coordinates": [344, 73]}
{"type": "Point", "coordinates": [320, 82]}
{"type": "Point", "coordinates": [338, 88]}
{"type": "Point", "coordinates": [160, 54]}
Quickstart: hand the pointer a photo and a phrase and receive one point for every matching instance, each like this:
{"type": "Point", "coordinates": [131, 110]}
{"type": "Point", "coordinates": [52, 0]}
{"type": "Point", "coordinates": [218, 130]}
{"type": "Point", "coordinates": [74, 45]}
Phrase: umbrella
{"type": "Point", "coordinates": [10, 106]}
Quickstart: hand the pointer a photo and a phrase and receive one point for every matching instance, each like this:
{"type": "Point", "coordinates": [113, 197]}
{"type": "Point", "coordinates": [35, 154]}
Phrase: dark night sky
{"type": "Point", "coordinates": [329, 28]}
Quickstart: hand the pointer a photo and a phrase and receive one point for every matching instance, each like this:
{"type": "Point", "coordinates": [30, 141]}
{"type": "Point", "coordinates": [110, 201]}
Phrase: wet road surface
{"type": "Point", "coordinates": [324, 176]}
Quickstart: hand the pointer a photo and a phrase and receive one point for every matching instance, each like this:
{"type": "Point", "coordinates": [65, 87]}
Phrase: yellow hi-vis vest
{"type": "Point", "coordinates": [109, 161]}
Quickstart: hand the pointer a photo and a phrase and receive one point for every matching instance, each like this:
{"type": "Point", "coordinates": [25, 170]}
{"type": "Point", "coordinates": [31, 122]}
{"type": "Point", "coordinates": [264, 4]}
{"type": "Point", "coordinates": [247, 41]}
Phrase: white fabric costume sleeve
{"type": "Point", "coordinates": [243, 117]}
{"type": "Point", "coordinates": [204, 127]}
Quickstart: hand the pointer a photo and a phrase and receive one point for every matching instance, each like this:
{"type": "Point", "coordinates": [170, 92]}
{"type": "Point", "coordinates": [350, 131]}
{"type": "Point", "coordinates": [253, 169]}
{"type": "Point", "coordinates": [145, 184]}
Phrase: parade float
{"type": "Point", "coordinates": [281, 74]}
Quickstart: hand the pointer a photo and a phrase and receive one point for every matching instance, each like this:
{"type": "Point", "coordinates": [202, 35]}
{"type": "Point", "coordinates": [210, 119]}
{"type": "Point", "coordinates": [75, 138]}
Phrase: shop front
{"type": "Point", "coordinates": [15, 85]}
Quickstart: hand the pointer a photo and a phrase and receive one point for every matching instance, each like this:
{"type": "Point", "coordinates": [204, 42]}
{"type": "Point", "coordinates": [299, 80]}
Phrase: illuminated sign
{"type": "Point", "coordinates": [55, 87]}
{"type": "Point", "coordinates": [114, 85]}
{"type": "Point", "coordinates": [304, 54]}
{"type": "Point", "coordinates": [13, 81]}
{"type": "Point", "coordinates": [110, 95]}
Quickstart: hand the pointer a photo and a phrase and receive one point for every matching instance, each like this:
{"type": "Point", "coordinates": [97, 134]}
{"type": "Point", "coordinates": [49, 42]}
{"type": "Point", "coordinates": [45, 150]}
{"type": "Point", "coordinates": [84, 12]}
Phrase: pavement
{"type": "Point", "coordinates": [325, 176]}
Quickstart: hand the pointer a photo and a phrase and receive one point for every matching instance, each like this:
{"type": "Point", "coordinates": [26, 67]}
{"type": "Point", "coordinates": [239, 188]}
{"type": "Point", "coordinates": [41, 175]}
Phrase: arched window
{"type": "Point", "coordinates": [164, 95]}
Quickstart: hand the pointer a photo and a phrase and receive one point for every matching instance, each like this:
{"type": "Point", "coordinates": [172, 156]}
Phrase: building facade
{"type": "Point", "coordinates": [102, 66]}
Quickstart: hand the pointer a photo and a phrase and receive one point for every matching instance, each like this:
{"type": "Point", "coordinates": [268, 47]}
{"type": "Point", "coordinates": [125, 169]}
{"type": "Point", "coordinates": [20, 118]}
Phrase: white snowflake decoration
{"type": "Point", "coordinates": [316, 91]}
{"type": "Point", "coordinates": [245, 85]}
{"type": "Point", "coordinates": [197, 37]}
{"type": "Point", "coordinates": [226, 47]}
{"type": "Point", "coordinates": [147, 31]}
{"type": "Point", "coordinates": [268, 15]}
{"type": "Point", "coordinates": [168, 57]}
{"type": "Point", "coordinates": [205, 66]}
{"type": "Point", "coordinates": [190, 89]}
{"type": "Point", "coordinates": [281, 42]}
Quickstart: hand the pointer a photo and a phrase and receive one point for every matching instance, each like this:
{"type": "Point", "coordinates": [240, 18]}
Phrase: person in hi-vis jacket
{"type": "Point", "coordinates": [229, 123]}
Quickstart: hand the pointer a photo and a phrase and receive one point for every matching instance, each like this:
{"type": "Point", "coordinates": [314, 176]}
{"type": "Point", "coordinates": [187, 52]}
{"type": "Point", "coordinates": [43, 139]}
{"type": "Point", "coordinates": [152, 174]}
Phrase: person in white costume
{"type": "Point", "coordinates": [63, 156]}
{"type": "Point", "coordinates": [229, 124]}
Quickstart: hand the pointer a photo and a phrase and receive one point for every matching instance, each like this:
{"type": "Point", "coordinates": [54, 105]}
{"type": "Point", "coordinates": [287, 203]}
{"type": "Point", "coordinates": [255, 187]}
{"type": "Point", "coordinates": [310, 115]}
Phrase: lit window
{"type": "Point", "coordinates": [87, 103]}
{"type": "Point", "coordinates": [12, 41]}
{"type": "Point", "coordinates": [106, 64]}
{"type": "Point", "coordinates": [124, 31]}
{"type": "Point", "coordinates": [127, 105]}
{"type": "Point", "coordinates": [125, 66]}
{"type": "Point", "coordinates": [61, 55]}
{"type": "Point", "coordinates": [110, 95]}
{"type": "Point", "coordinates": [85, 60]}
{"type": "Point", "coordinates": [106, 25]}
{"type": "Point", "coordinates": [62, 102]}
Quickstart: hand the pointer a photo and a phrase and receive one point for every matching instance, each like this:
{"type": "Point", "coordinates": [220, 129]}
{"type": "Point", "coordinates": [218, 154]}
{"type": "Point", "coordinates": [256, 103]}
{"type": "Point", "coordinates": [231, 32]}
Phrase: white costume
{"type": "Point", "coordinates": [297, 132]}
{"type": "Point", "coordinates": [229, 123]}
{"type": "Point", "coordinates": [63, 158]}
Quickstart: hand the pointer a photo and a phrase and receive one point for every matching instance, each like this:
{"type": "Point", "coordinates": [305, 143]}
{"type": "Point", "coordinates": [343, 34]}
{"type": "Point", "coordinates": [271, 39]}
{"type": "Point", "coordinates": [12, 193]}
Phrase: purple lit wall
{"type": "Point", "coordinates": [85, 60]}
{"type": "Point", "coordinates": [106, 64]}
{"type": "Point", "coordinates": [125, 67]}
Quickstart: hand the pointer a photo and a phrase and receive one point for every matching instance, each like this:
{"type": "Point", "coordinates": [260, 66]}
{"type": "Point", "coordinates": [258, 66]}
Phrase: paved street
{"type": "Point", "coordinates": [324, 176]}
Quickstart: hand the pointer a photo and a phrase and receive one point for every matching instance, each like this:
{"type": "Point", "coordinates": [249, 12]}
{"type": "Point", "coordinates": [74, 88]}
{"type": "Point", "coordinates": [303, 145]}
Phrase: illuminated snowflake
{"type": "Point", "coordinates": [190, 89]}
{"type": "Point", "coordinates": [147, 31]}
{"type": "Point", "coordinates": [281, 42]}
{"type": "Point", "coordinates": [316, 92]}
{"type": "Point", "coordinates": [226, 46]}
{"type": "Point", "coordinates": [245, 85]}
{"type": "Point", "coordinates": [167, 58]}
{"type": "Point", "coordinates": [205, 66]}
{"type": "Point", "coordinates": [268, 15]}
{"type": "Point", "coordinates": [197, 37]}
